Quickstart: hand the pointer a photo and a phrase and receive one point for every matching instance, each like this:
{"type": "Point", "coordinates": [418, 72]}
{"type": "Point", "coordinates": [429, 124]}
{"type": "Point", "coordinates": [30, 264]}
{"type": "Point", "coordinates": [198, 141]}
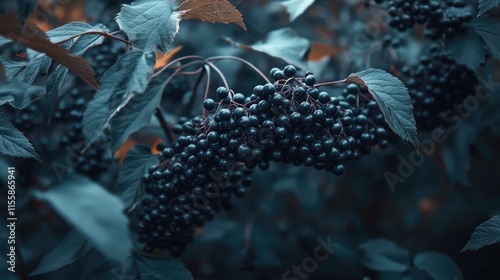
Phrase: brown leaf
{"type": "Point", "coordinates": [320, 50]}
{"type": "Point", "coordinates": [35, 39]}
{"type": "Point", "coordinates": [219, 11]}
{"type": "Point", "coordinates": [163, 59]}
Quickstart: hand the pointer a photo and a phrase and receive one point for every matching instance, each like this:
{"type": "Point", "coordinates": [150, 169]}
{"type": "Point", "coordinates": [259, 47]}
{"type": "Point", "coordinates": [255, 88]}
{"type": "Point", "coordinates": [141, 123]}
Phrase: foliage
{"type": "Point", "coordinates": [133, 124]}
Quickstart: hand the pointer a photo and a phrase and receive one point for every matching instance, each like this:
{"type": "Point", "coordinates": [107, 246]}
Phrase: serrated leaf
{"type": "Point", "coordinates": [438, 266]}
{"type": "Point", "coordinates": [68, 30]}
{"type": "Point", "coordinates": [54, 83]}
{"type": "Point", "coordinates": [162, 269]}
{"type": "Point", "coordinates": [149, 24]}
{"type": "Point", "coordinates": [137, 160]}
{"type": "Point", "coordinates": [13, 142]}
{"type": "Point", "coordinates": [393, 99]}
{"type": "Point", "coordinates": [23, 93]}
{"type": "Point", "coordinates": [384, 255]}
{"type": "Point", "coordinates": [129, 76]}
{"type": "Point", "coordinates": [218, 11]}
{"type": "Point", "coordinates": [485, 234]}
{"type": "Point", "coordinates": [467, 49]}
{"type": "Point", "coordinates": [487, 28]}
{"type": "Point", "coordinates": [486, 5]}
{"type": "Point", "coordinates": [284, 44]}
{"type": "Point", "coordinates": [95, 212]}
{"type": "Point", "coordinates": [137, 113]}
{"type": "Point", "coordinates": [296, 7]}
{"type": "Point", "coordinates": [35, 39]}
{"type": "Point", "coordinates": [83, 41]}
{"type": "Point", "coordinates": [70, 249]}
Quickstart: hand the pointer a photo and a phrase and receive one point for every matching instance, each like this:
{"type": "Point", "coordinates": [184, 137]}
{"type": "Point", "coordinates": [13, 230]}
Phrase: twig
{"type": "Point", "coordinates": [164, 125]}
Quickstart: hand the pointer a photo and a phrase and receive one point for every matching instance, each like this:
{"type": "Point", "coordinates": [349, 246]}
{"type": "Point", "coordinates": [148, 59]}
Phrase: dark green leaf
{"type": "Point", "coordinates": [384, 255]}
{"type": "Point", "coordinates": [22, 93]}
{"type": "Point", "coordinates": [135, 164]}
{"type": "Point", "coordinates": [162, 269]}
{"type": "Point", "coordinates": [468, 49]}
{"type": "Point", "coordinates": [54, 83]}
{"type": "Point", "coordinates": [86, 41]}
{"type": "Point", "coordinates": [95, 212]}
{"type": "Point", "coordinates": [127, 77]}
{"type": "Point", "coordinates": [13, 142]}
{"type": "Point", "coordinates": [137, 113]}
{"type": "Point", "coordinates": [438, 266]}
{"type": "Point", "coordinates": [393, 99]}
{"type": "Point", "coordinates": [486, 5]}
{"type": "Point", "coordinates": [11, 67]}
{"type": "Point", "coordinates": [70, 249]}
{"type": "Point", "coordinates": [296, 7]}
{"type": "Point", "coordinates": [485, 234]}
{"type": "Point", "coordinates": [487, 28]}
{"type": "Point", "coordinates": [5, 97]}
{"type": "Point", "coordinates": [149, 24]}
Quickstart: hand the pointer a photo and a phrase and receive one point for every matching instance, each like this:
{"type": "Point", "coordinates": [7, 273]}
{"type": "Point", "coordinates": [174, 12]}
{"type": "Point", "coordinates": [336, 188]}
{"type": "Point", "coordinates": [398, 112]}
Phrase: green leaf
{"type": "Point", "coordinates": [4, 40]}
{"type": "Point", "coordinates": [486, 5]}
{"type": "Point", "coordinates": [95, 212]}
{"type": "Point", "coordinates": [487, 28]}
{"type": "Point", "coordinates": [384, 255]}
{"type": "Point", "coordinates": [149, 24]}
{"type": "Point", "coordinates": [22, 93]}
{"type": "Point", "coordinates": [287, 45]}
{"type": "Point", "coordinates": [467, 49]}
{"type": "Point", "coordinates": [284, 44]}
{"type": "Point", "coordinates": [393, 99]}
{"type": "Point", "coordinates": [13, 142]}
{"type": "Point", "coordinates": [296, 7]}
{"type": "Point", "coordinates": [70, 249]}
{"type": "Point", "coordinates": [135, 164]}
{"type": "Point", "coordinates": [11, 67]}
{"type": "Point", "coordinates": [54, 83]}
{"type": "Point", "coordinates": [129, 76]}
{"type": "Point", "coordinates": [72, 29]}
{"type": "Point", "coordinates": [485, 234]}
{"type": "Point", "coordinates": [438, 266]}
{"type": "Point", "coordinates": [137, 113]}
{"type": "Point", "coordinates": [82, 42]}
{"type": "Point", "coordinates": [162, 269]}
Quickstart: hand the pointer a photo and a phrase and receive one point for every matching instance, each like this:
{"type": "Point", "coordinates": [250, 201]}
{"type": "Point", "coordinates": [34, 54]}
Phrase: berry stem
{"type": "Point", "coordinates": [217, 58]}
{"type": "Point", "coordinates": [330, 83]}
{"type": "Point", "coordinates": [164, 125]}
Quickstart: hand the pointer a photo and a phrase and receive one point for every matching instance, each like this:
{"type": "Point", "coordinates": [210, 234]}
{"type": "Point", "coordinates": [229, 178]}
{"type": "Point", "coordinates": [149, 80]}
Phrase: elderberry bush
{"type": "Point", "coordinates": [437, 83]}
{"type": "Point", "coordinates": [440, 20]}
{"type": "Point", "coordinates": [290, 121]}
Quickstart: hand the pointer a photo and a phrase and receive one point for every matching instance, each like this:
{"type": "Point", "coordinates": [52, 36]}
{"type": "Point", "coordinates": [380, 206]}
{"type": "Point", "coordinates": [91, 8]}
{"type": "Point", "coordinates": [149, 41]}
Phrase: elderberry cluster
{"type": "Point", "coordinates": [436, 84]}
{"type": "Point", "coordinates": [93, 161]}
{"type": "Point", "coordinates": [290, 121]}
{"type": "Point", "coordinates": [440, 19]}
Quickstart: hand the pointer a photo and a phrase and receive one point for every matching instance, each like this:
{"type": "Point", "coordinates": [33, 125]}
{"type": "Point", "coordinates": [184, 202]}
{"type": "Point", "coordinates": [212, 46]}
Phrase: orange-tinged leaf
{"type": "Point", "coordinates": [35, 39]}
{"type": "Point", "coordinates": [320, 50]}
{"type": "Point", "coordinates": [162, 60]}
{"type": "Point", "coordinates": [122, 152]}
{"type": "Point", "coordinates": [219, 11]}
